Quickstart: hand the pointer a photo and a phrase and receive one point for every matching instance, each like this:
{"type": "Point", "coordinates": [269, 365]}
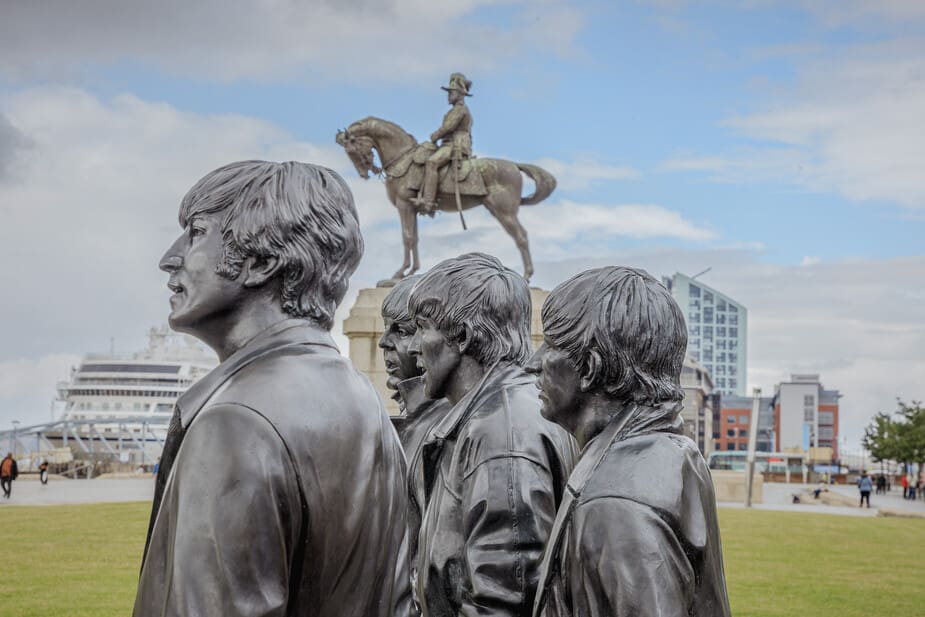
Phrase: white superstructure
{"type": "Point", "coordinates": [137, 387]}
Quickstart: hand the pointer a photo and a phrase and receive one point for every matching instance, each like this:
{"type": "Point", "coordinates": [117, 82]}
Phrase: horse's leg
{"type": "Point", "coordinates": [415, 262]}
{"type": "Point", "coordinates": [409, 234]}
{"type": "Point", "coordinates": [504, 206]}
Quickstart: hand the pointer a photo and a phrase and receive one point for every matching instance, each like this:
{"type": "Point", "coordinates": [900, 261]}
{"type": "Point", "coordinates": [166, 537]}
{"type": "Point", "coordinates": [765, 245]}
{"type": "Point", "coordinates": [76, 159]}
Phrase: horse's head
{"type": "Point", "coordinates": [359, 148]}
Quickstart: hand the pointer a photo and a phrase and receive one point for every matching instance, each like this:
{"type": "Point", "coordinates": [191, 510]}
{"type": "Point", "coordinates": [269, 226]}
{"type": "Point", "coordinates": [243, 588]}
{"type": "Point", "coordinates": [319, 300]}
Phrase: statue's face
{"type": "Point", "coordinates": [558, 379]}
{"type": "Point", "coordinates": [399, 363]}
{"type": "Point", "coordinates": [438, 357]}
{"type": "Point", "coordinates": [203, 302]}
{"type": "Point", "coordinates": [452, 96]}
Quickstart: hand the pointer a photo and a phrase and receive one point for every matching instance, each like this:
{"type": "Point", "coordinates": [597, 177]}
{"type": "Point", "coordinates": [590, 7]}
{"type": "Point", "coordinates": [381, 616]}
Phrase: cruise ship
{"type": "Point", "coordinates": [130, 397]}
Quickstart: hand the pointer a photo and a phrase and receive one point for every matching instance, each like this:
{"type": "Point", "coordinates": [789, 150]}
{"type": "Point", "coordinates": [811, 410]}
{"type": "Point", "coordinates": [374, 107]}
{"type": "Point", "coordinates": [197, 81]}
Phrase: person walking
{"type": "Point", "coordinates": [43, 472]}
{"type": "Point", "coordinates": [865, 484]}
{"type": "Point", "coordinates": [8, 472]}
{"type": "Point", "coordinates": [905, 484]}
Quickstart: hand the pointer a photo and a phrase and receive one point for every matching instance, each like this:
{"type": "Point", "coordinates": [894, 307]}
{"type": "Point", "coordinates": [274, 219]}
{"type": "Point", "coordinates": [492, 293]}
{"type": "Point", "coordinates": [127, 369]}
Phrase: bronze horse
{"type": "Point", "coordinates": [502, 179]}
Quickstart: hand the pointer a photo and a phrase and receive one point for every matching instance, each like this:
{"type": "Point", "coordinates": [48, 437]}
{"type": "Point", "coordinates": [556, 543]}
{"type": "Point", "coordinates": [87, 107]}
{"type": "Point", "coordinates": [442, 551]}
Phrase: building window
{"type": "Point", "coordinates": [721, 343]}
{"type": "Point", "coordinates": [720, 305]}
{"type": "Point", "coordinates": [826, 417]}
{"type": "Point", "coordinates": [693, 291]}
{"type": "Point", "coordinates": [731, 419]}
{"type": "Point", "coordinates": [720, 318]}
{"type": "Point", "coordinates": [733, 357]}
{"type": "Point", "coordinates": [733, 320]}
{"type": "Point", "coordinates": [733, 370]}
{"type": "Point", "coordinates": [733, 344]}
{"type": "Point", "coordinates": [809, 400]}
{"type": "Point", "coordinates": [733, 308]}
{"type": "Point", "coordinates": [733, 383]}
{"type": "Point", "coordinates": [708, 314]}
{"type": "Point", "coordinates": [743, 446]}
{"type": "Point", "coordinates": [720, 382]}
{"type": "Point", "coordinates": [743, 432]}
{"type": "Point", "coordinates": [707, 297]}
{"type": "Point", "coordinates": [694, 304]}
{"type": "Point", "coordinates": [826, 432]}
{"type": "Point", "coordinates": [696, 354]}
{"type": "Point", "coordinates": [731, 432]}
{"type": "Point", "coordinates": [693, 330]}
{"type": "Point", "coordinates": [730, 446]}
{"type": "Point", "coordinates": [743, 419]}
{"type": "Point", "coordinates": [695, 316]}
{"type": "Point", "coordinates": [708, 355]}
{"type": "Point", "coordinates": [720, 330]}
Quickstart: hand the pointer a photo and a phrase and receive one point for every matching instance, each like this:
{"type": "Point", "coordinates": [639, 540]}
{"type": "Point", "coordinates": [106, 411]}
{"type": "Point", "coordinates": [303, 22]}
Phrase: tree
{"type": "Point", "coordinates": [901, 439]}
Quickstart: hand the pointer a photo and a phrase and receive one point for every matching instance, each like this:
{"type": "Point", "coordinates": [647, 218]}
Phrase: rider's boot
{"type": "Point", "coordinates": [426, 200]}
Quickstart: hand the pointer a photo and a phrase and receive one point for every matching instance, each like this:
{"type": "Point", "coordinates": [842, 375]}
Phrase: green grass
{"type": "Point", "coordinates": [77, 561]}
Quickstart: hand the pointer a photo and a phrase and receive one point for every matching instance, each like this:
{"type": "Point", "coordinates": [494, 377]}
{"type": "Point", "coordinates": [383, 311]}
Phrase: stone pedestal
{"type": "Point", "coordinates": [363, 328]}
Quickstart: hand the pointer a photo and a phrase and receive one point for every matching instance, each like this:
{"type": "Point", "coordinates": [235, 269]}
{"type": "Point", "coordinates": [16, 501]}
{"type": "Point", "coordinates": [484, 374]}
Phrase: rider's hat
{"type": "Point", "coordinates": [459, 83]}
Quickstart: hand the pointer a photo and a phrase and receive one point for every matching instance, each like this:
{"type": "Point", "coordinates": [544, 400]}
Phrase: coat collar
{"type": "Point", "coordinates": [285, 333]}
{"type": "Point", "coordinates": [410, 395]}
{"type": "Point", "coordinates": [631, 420]}
{"type": "Point", "coordinates": [497, 374]}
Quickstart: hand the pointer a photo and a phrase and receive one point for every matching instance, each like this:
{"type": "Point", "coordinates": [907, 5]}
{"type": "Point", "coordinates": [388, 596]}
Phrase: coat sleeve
{"type": "Point", "coordinates": [450, 121]}
{"type": "Point", "coordinates": [508, 510]}
{"type": "Point", "coordinates": [237, 514]}
{"type": "Point", "coordinates": [627, 562]}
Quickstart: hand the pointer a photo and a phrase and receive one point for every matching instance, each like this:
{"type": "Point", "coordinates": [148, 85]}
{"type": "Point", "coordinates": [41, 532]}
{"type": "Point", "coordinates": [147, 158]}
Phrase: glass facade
{"type": "Point", "coordinates": [716, 332]}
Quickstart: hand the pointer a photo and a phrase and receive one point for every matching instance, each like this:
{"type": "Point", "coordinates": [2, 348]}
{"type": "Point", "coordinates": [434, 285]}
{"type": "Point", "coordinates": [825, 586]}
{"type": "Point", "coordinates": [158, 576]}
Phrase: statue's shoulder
{"type": "Point", "coordinates": [657, 469]}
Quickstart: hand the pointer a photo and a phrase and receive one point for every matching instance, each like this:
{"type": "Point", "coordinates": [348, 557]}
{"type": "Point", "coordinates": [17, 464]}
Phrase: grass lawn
{"type": "Point", "coordinates": [76, 561]}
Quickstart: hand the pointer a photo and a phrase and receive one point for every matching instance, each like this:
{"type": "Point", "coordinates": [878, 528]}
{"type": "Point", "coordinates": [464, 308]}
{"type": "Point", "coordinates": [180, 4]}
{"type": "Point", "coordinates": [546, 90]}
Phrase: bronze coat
{"type": "Point", "coordinates": [494, 472]}
{"type": "Point", "coordinates": [637, 533]}
{"type": "Point", "coordinates": [287, 494]}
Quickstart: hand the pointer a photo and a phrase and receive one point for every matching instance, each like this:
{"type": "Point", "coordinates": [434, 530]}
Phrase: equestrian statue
{"type": "Point", "coordinates": [442, 174]}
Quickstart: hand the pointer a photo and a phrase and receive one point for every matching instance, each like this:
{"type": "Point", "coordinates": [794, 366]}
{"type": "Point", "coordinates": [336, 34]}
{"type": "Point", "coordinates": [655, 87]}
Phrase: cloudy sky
{"type": "Point", "coordinates": [779, 142]}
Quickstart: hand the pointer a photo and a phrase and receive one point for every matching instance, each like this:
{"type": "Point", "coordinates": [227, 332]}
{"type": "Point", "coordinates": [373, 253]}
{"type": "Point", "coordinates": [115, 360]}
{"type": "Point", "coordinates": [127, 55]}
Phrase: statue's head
{"type": "Point", "coordinates": [612, 332]}
{"type": "Point", "coordinates": [399, 330]}
{"type": "Point", "coordinates": [359, 148]}
{"type": "Point", "coordinates": [458, 88]}
{"type": "Point", "coordinates": [282, 234]}
{"type": "Point", "coordinates": [472, 306]}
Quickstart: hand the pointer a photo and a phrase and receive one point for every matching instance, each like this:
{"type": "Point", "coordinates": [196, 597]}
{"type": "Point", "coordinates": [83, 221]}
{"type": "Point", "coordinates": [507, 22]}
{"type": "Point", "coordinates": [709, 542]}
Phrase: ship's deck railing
{"type": "Point", "coordinates": [85, 436]}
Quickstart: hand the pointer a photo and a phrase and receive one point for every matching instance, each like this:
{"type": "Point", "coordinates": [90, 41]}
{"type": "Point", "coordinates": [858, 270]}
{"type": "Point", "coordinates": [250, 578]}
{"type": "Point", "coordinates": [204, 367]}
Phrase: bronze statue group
{"type": "Point", "coordinates": [554, 482]}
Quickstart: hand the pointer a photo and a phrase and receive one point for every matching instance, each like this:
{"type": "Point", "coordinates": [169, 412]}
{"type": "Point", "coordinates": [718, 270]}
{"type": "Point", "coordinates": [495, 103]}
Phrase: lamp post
{"type": "Point", "coordinates": [13, 437]}
{"type": "Point", "coordinates": [752, 445]}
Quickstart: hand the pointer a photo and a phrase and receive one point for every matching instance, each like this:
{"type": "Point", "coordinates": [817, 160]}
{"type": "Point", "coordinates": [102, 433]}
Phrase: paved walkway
{"type": "Point", "coordinates": [776, 496]}
{"type": "Point", "coordinates": [60, 491]}
{"type": "Point", "coordinates": [779, 497]}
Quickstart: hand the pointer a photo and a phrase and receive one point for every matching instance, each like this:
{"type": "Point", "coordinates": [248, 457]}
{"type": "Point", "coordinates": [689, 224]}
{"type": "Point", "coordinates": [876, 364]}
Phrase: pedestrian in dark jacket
{"type": "Point", "coordinates": [493, 469]}
{"type": "Point", "coordinates": [9, 471]}
{"type": "Point", "coordinates": [43, 472]}
{"type": "Point", "coordinates": [637, 533]}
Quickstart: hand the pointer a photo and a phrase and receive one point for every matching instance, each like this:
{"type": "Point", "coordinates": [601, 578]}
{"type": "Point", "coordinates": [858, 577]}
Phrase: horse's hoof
{"type": "Point", "coordinates": [398, 275]}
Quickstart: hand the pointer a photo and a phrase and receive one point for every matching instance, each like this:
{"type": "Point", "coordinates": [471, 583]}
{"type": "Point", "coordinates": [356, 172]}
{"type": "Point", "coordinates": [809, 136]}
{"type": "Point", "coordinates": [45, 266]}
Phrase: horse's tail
{"type": "Point", "coordinates": [545, 183]}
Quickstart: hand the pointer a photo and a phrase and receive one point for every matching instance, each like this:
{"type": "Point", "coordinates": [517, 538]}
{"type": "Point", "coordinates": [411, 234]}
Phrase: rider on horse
{"type": "Point", "coordinates": [456, 144]}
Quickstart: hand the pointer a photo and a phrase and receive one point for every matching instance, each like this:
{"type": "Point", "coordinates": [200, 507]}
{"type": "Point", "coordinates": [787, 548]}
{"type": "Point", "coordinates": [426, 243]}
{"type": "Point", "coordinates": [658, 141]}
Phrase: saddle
{"type": "Point", "coordinates": [411, 166]}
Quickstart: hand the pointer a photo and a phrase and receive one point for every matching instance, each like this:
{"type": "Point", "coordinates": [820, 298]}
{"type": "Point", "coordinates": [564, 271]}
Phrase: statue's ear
{"type": "Point", "coordinates": [591, 370]}
{"type": "Point", "coordinates": [464, 341]}
{"type": "Point", "coordinates": [259, 270]}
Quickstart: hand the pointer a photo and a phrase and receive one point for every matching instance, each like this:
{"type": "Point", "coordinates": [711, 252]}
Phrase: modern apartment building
{"type": "Point", "coordinates": [717, 328]}
{"type": "Point", "coordinates": [806, 415]}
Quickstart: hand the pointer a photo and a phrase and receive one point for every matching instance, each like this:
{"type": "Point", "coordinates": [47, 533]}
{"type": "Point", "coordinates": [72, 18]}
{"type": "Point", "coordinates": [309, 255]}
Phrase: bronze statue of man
{"type": "Point", "coordinates": [419, 414]}
{"type": "Point", "coordinates": [454, 137]}
{"type": "Point", "coordinates": [637, 533]}
{"type": "Point", "coordinates": [281, 489]}
{"type": "Point", "coordinates": [494, 470]}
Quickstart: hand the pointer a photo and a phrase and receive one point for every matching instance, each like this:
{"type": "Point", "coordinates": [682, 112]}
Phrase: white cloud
{"type": "Point", "coordinates": [27, 387]}
{"type": "Point", "coordinates": [810, 260]}
{"type": "Point", "coordinates": [850, 123]}
{"type": "Point", "coordinates": [357, 40]}
{"type": "Point", "coordinates": [585, 171]}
